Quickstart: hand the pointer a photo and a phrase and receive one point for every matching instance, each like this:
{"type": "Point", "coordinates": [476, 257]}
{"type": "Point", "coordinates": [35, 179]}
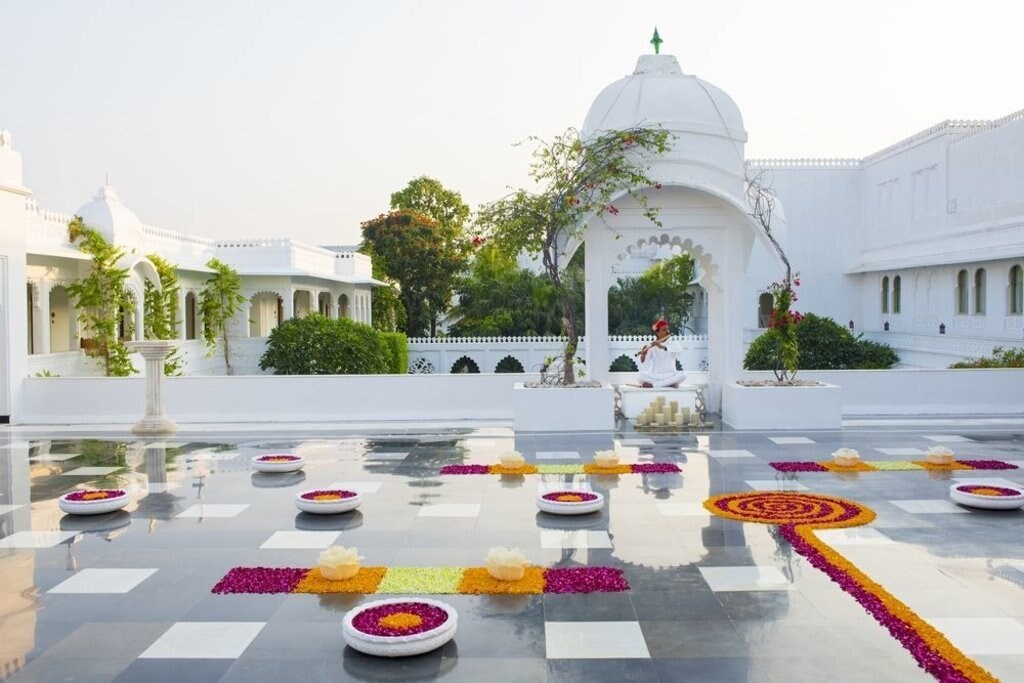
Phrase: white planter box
{"type": "Point", "coordinates": [635, 399]}
{"type": "Point", "coordinates": [558, 409]}
{"type": "Point", "coordinates": [819, 407]}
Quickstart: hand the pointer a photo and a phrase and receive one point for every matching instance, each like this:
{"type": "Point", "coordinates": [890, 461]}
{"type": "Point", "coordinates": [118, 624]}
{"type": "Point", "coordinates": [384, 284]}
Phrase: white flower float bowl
{"type": "Point", "coordinates": [98, 506]}
{"type": "Point", "coordinates": [261, 463]}
{"type": "Point", "coordinates": [399, 646]}
{"type": "Point", "coordinates": [330, 506]}
{"type": "Point", "coordinates": [1005, 501]}
{"type": "Point", "coordinates": [559, 507]}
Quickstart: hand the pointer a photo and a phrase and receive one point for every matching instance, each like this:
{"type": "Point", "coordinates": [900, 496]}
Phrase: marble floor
{"type": "Point", "coordinates": [127, 596]}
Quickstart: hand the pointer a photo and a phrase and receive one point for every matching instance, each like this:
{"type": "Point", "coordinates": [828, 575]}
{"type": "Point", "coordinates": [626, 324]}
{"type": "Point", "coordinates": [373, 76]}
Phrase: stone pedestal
{"type": "Point", "coordinates": [155, 422]}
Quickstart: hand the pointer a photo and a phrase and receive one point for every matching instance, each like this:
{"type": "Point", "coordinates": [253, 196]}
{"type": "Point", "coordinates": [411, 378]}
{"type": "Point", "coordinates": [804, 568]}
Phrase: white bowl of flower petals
{"type": "Point", "coordinates": [511, 460]}
{"type": "Point", "coordinates": [327, 501]}
{"type": "Point", "coordinates": [278, 462]}
{"type": "Point", "coordinates": [338, 563]}
{"type": "Point", "coordinates": [846, 457]}
{"type": "Point", "coordinates": [940, 455]}
{"type": "Point", "coordinates": [93, 501]}
{"type": "Point", "coordinates": [606, 458]}
{"type": "Point", "coordinates": [506, 564]}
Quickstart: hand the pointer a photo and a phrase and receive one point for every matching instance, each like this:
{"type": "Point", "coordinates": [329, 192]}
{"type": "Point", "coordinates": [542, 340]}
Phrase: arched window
{"type": "Point", "coordinates": [897, 298]}
{"type": "Point", "coordinates": [979, 291]}
{"type": "Point", "coordinates": [343, 307]}
{"type": "Point", "coordinates": [765, 306]}
{"type": "Point", "coordinates": [1016, 290]}
{"type": "Point", "coordinates": [961, 293]}
{"type": "Point", "coordinates": [885, 294]}
{"type": "Point", "coordinates": [190, 315]}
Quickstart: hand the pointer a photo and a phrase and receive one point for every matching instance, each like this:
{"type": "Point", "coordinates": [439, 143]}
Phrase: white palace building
{"type": "Point", "coordinates": [919, 245]}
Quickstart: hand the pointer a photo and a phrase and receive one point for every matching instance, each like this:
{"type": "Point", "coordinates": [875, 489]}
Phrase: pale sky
{"type": "Point", "coordinates": [257, 118]}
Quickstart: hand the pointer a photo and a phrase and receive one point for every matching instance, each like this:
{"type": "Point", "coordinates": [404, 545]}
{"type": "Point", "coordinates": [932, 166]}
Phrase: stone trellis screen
{"type": "Point", "coordinates": [439, 355]}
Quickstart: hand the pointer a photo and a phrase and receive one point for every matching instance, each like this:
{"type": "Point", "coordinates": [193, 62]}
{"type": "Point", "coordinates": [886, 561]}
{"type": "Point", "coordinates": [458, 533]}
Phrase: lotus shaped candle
{"type": "Point", "coordinates": [337, 563]}
{"type": "Point", "coordinates": [940, 455]}
{"type": "Point", "coordinates": [606, 458]}
{"type": "Point", "coordinates": [511, 460]}
{"type": "Point", "coordinates": [846, 457]}
{"type": "Point", "coordinates": [505, 564]}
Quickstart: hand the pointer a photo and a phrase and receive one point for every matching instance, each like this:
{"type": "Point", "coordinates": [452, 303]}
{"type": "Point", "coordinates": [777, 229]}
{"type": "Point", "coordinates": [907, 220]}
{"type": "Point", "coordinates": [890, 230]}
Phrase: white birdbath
{"type": "Point", "coordinates": [155, 422]}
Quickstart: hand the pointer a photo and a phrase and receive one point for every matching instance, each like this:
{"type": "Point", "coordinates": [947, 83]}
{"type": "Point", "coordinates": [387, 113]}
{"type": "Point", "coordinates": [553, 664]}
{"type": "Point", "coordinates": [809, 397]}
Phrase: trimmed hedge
{"type": "Point", "coordinates": [1001, 358]}
{"type": "Point", "coordinates": [824, 345]}
{"type": "Point", "coordinates": [398, 350]}
{"type": "Point", "coordinates": [317, 345]}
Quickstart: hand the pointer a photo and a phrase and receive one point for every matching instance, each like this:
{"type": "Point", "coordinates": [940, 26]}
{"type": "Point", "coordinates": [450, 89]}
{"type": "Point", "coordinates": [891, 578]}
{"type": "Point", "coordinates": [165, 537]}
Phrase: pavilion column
{"type": "Point", "coordinates": [44, 317]}
{"type": "Point", "coordinates": [155, 421]}
{"type": "Point", "coordinates": [598, 274]}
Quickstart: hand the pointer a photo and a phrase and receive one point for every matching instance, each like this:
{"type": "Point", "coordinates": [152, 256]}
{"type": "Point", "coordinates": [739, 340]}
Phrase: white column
{"type": "Point", "coordinates": [44, 316]}
{"type": "Point", "coordinates": [155, 422]}
{"type": "Point", "coordinates": [598, 274]}
{"type": "Point", "coordinates": [289, 305]}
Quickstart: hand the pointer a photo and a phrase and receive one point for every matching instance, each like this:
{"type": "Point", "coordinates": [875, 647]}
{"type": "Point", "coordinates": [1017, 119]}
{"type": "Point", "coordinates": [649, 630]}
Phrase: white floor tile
{"type": "Point", "coordinates": [162, 486]}
{"type": "Point", "coordinates": [451, 510]}
{"type": "Point", "coordinates": [636, 442]}
{"type": "Point", "coordinates": [900, 451]}
{"type": "Point", "coordinates": [17, 444]}
{"type": "Point", "coordinates": [204, 640]}
{"type": "Point", "coordinates": [775, 485]}
{"type": "Point", "coordinates": [35, 539]}
{"type": "Point", "coordinates": [683, 510]}
{"type": "Point", "coordinates": [50, 457]}
{"type": "Point", "coordinates": [983, 635]}
{"type": "Point", "coordinates": [357, 486]}
{"type": "Point", "coordinates": [212, 510]}
{"type": "Point", "coordinates": [594, 640]}
{"type": "Point", "coordinates": [103, 581]}
{"type": "Point", "coordinates": [727, 579]}
{"type": "Point", "coordinates": [558, 455]}
{"type": "Point", "coordinates": [731, 454]}
{"type": "Point", "coordinates": [853, 536]}
{"type": "Point", "coordinates": [212, 456]}
{"type": "Point", "coordinates": [375, 455]}
{"type": "Point", "coordinates": [790, 440]}
{"type": "Point", "coordinates": [293, 540]}
{"type": "Point", "coordinates": [91, 471]}
{"type": "Point", "coordinates": [4, 509]}
{"type": "Point", "coordinates": [948, 438]}
{"type": "Point", "coordinates": [556, 539]}
{"type": "Point", "coordinates": [165, 444]}
{"type": "Point", "coordinates": [930, 507]}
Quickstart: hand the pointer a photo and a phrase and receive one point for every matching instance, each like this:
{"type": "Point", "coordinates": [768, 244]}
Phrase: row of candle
{"type": "Point", "coordinates": [657, 414]}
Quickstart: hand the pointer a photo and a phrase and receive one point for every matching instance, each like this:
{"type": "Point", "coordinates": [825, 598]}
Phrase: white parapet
{"type": "Point", "coordinates": [563, 409]}
{"type": "Point", "coordinates": [774, 407]}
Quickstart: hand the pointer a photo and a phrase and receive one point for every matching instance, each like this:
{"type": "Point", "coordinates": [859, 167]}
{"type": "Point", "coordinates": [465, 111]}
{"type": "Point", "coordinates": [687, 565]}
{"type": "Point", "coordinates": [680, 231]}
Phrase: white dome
{"type": "Point", "coordinates": [659, 93]}
{"type": "Point", "coordinates": [116, 222]}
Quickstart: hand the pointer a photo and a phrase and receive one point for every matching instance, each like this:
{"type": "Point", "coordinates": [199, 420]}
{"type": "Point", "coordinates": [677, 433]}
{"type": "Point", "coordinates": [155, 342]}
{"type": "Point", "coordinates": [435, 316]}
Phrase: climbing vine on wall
{"type": "Point", "coordinates": [102, 300]}
{"type": "Point", "coordinates": [161, 308]}
{"type": "Point", "coordinates": [220, 299]}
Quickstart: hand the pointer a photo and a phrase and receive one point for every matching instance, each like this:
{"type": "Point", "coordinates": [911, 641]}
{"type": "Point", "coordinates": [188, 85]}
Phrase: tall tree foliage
{"type": "Point", "coordinates": [498, 298]}
{"type": "Point", "coordinates": [161, 308]}
{"type": "Point", "coordinates": [575, 179]}
{"type": "Point", "coordinates": [429, 197]}
{"type": "Point", "coordinates": [423, 257]}
{"type": "Point", "coordinates": [220, 299]}
{"type": "Point", "coordinates": [661, 292]}
{"type": "Point", "coordinates": [101, 299]}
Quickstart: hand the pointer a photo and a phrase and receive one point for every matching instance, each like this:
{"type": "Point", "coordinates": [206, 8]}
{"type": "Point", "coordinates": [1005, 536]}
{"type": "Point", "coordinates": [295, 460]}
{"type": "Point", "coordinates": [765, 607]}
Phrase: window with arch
{"type": "Point", "coordinates": [343, 307]}
{"type": "Point", "coordinates": [961, 292]}
{"type": "Point", "coordinates": [765, 306]}
{"type": "Point", "coordinates": [191, 311]}
{"type": "Point", "coordinates": [897, 294]}
{"type": "Point", "coordinates": [979, 291]}
{"type": "Point", "coordinates": [885, 294]}
{"type": "Point", "coordinates": [1016, 290]}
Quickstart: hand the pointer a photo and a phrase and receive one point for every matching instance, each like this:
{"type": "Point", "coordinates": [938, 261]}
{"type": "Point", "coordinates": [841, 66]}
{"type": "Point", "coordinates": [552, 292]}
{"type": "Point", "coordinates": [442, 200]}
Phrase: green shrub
{"type": "Point", "coordinates": [824, 345]}
{"type": "Point", "coordinates": [398, 350]}
{"type": "Point", "coordinates": [316, 345]}
{"type": "Point", "coordinates": [1001, 358]}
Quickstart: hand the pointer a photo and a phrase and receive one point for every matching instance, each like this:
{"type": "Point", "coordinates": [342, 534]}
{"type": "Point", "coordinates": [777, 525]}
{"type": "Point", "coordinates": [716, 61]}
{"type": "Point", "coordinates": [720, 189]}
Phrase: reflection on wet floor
{"type": "Point", "coordinates": [127, 595]}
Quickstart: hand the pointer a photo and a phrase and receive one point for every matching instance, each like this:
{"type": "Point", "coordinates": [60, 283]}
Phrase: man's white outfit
{"type": "Point", "coordinates": [659, 367]}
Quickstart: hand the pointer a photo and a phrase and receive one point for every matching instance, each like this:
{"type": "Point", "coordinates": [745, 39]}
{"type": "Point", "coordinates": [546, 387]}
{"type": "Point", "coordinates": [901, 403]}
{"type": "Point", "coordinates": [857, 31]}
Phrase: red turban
{"type": "Point", "coordinates": [659, 324]}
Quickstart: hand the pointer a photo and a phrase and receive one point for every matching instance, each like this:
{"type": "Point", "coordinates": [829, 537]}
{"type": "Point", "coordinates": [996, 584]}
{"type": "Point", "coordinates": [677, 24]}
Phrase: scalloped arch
{"type": "Point", "coordinates": [703, 258]}
{"type": "Point", "coordinates": [465, 364]}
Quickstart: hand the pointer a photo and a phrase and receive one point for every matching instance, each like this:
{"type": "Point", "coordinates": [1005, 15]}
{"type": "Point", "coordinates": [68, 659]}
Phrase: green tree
{"type": "Point", "coordinates": [317, 345]}
{"type": "Point", "coordinates": [102, 299]}
{"type": "Point", "coordinates": [661, 292]}
{"type": "Point", "coordinates": [161, 311]}
{"type": "Point", "coordinates": [427, 196]}
{"type": "Point", "coordinates": [576, 179]}
{"type": "Point", "coordinates": [423, 257]}
{"type": "Point", "coordinates": [220, 299]}
{"type": "Point", "coordinates": [824, 344]}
